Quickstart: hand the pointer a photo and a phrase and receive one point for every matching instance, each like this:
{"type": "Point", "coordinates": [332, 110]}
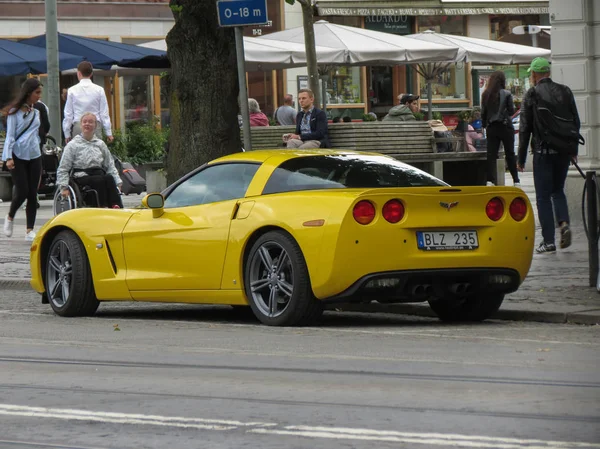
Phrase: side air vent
{"type": "Point", "coordinates": [110, 257]}
{"type": "Point", "coordinates": [450, 190]}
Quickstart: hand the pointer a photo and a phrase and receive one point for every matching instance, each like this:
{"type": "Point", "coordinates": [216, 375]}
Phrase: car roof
{"type": "Point", "coordinates": [283, 155]}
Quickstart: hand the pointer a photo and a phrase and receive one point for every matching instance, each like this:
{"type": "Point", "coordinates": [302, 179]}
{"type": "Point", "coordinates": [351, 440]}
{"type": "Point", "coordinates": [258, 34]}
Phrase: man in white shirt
{"type": "Point", "coordinates": [86, 97]}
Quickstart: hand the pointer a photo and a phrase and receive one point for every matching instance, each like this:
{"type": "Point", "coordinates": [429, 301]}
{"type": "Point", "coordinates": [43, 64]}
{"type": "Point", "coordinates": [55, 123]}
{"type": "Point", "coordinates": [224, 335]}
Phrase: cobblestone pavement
{"type": "Point", "coordinates": [556, 289]}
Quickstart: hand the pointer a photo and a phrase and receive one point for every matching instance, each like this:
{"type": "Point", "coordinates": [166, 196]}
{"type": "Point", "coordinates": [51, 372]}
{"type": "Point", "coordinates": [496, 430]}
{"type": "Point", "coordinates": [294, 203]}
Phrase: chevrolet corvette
{"type": "Point", "coordinates": [290, 232]}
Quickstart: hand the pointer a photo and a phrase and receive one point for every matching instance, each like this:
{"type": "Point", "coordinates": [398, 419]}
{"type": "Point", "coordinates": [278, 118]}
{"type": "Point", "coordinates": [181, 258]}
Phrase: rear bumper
{"type": "Point", "coordinates": [419, 285]}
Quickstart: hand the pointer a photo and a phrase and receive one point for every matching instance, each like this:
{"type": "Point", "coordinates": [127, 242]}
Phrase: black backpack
{"type": "Point", "coordinates": [556, 132]}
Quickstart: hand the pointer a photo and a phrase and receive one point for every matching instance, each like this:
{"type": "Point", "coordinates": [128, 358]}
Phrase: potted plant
{"type": "Point", "coordinates": [464, 118]}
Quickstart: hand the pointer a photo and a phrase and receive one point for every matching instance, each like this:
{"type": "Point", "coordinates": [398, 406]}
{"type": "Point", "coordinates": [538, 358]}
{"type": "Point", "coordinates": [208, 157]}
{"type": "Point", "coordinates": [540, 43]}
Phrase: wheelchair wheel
{"type": "Point", "coordinates": [62, 204]}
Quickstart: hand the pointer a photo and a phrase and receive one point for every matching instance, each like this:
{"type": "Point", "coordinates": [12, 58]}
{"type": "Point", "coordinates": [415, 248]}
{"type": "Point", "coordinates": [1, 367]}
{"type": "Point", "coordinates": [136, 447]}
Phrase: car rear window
{"type": "Point", "coordinates": [345, 171]}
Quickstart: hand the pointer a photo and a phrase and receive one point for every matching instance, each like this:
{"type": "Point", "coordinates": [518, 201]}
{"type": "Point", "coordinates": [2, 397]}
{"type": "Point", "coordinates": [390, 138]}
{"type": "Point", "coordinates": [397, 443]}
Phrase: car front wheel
{"type": "Point", "coordinates": [277, 283]}
{"type": "Point", "coordinates": [476, 308]}
{"type": "Point", "coordinates": [68, 280]}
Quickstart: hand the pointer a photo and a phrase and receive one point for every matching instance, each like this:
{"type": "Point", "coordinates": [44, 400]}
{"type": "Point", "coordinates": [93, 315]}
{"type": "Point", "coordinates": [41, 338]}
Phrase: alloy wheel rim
{"type": "Point", "coordinates": [59, 273]}
{"type": "Point", "coordinates": [271, 279]}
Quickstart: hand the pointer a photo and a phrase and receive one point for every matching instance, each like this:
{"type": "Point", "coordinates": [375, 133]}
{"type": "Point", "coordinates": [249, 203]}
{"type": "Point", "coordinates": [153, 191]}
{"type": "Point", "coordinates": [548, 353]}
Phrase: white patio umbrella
{"type": "Point", "coordinates": [367, 47]}
{"type": "Point", "coordinates": [474, 50]}
{"type": "Point", "coordinates": [482, 51]}
{"type": "Point", "coordinates": [272, 55]}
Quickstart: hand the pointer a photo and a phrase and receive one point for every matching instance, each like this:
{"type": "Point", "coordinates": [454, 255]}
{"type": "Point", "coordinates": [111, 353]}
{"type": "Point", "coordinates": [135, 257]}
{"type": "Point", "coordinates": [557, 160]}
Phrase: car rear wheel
{"type": "Point", "coordinates": [277, 283]}
{"type": "Point", "coordinates": [68, 279]}
{"type": "Point", "coordinates": [476, 308]}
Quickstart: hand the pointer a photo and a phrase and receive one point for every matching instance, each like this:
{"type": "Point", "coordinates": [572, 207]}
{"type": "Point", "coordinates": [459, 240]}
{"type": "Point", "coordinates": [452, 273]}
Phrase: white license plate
{"type": "Point", "coordinates": [447, 240]}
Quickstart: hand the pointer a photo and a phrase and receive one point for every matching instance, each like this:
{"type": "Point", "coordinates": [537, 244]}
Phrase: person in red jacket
{"type": "Point", "coordinates": [257, 118]}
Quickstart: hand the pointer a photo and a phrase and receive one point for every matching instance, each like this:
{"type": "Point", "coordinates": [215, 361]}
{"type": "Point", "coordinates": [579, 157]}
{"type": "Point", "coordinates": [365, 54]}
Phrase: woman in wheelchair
{"type": "Point", "coordinates": [87, 161]}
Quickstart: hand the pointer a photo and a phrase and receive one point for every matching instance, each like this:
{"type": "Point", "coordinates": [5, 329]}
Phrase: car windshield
{"type": "Point", "coordinates": [346, 171]}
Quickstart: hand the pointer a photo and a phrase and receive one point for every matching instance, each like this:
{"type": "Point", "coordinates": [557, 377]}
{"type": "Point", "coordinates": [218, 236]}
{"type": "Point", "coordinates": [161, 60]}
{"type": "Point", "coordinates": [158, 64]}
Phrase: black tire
{"type": "Point", "coordinates": [67, 264]}
{"type": "Point", "coordinates": [467, 309]}
{"type": "Point", "coordinates": [300, 308]}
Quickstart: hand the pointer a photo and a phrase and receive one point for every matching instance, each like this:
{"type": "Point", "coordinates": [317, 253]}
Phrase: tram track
{"type": "Point", "coordinates": [288, 370]}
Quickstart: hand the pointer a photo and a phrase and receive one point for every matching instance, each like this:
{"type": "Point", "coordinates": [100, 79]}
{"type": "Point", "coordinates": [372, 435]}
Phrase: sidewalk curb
{"type": "Point", "coordinates": [583, 317]}
{"type": "Point", "coordinates": [505, 315]}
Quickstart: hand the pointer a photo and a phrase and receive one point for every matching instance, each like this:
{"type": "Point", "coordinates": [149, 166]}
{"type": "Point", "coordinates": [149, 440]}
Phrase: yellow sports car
{"type": "Point", "coordinates": [288, 231]}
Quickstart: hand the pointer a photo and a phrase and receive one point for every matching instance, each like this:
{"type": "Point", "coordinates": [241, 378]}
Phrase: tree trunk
{"type": "Point", "coordinates": [311, 52]}
{"type": "Point", "coordinates": [204, 88]}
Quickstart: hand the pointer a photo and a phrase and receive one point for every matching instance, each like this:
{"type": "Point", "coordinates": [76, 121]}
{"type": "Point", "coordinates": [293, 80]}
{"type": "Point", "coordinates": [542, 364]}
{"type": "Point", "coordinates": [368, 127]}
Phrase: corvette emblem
{"type": "Point", "coordinates": [448, 206]}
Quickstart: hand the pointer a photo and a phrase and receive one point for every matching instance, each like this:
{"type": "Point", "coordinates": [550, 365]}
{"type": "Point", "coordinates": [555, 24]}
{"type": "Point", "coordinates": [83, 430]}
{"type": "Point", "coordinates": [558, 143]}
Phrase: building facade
{"type": "Point", "coordinates": [354, 91]}
{"type": "Point", "coordinates": [350, 91]}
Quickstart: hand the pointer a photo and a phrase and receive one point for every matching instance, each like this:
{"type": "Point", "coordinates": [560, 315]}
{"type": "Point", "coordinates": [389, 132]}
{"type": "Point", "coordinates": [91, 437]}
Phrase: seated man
{"type": "Point", "coordinates": [311, 125]}
{"type": "Point", "coordinates": [404, 112]}
{"type": "Point", "coordinates": [92, 165]}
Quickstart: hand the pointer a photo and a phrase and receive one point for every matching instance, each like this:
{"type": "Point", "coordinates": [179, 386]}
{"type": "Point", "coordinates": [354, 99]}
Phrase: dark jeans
{"type": "Point", "coordinates": [26, 178]}
{"type": "Point", "coordinates": [108, 194]}
{"type": "Point", "coordinates": [497, 133]}
{"type": "Point", "coordinates": [549, 176]}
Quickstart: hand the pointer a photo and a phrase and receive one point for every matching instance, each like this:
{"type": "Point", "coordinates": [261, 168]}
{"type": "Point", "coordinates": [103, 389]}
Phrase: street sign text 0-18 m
{"type": "Point", "coordinates": [242, 12]}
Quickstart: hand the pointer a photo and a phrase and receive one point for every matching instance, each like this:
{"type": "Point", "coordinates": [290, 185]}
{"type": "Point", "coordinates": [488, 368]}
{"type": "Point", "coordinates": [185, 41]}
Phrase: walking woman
{"type": "Point", "coordinates": [497, 108]}
{"type": "Point", "coordinates": [22, 154]}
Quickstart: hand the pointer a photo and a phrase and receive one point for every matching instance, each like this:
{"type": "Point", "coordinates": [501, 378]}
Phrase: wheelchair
{"type": "Point", "coordinates": [80, 195]}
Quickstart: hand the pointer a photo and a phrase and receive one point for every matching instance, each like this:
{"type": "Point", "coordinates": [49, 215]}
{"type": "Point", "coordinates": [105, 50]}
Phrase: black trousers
{"type": "Point", "coordinates": [26, 177]}
{"type": "Point", "coordinates": [108, 194]}
{"type": "Point", "coordinates": [496, 134]}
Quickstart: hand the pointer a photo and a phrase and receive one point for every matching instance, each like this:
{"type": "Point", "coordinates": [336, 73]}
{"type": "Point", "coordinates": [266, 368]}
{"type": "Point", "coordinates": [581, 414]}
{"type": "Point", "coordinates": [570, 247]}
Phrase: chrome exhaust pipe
{"type": "Point", "coordinates": [422, 290]}
{"type": "Point", "coordinates": [418, 290]}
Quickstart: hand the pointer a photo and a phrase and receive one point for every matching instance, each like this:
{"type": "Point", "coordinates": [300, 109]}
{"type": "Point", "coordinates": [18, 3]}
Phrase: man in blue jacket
{"type": "Point", "coordinates": [311, 124]}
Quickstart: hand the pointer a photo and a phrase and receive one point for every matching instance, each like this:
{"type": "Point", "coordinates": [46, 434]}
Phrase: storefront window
{"type": "Point", "coordinates": [137, 98]}
{"type": "Point", "coordinates": [449, 85]}
{"type": "Point", "coordinates": [517, 80]}
{"type": "Point", "coordinates": [443, 24]}
{"type": "Point", "coordinates": [343, 85]}
{"type": "Point", "coordinates": [501, 26]}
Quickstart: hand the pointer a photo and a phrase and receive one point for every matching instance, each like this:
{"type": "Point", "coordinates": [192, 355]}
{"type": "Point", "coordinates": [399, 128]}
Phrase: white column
{"type": "Point", "coordinates": [576, 63]}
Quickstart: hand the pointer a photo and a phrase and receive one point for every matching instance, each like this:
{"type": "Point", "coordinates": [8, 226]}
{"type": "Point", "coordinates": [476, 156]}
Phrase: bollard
{"type": "Point", "coordinates": [592, 225]}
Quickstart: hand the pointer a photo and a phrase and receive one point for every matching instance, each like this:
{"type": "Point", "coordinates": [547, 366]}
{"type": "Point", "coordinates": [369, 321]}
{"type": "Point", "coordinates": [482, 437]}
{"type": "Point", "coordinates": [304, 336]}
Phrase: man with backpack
{"type": "Point", "coordinates": [549, 118]}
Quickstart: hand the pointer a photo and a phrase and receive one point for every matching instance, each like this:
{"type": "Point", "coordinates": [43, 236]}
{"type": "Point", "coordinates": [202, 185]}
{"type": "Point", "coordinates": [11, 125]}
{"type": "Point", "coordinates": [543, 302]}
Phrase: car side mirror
{"type": "Point", "coordinates": [156, 202]}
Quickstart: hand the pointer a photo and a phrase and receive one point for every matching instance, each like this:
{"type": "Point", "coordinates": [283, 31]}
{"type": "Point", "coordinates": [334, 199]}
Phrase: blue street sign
{"type": "Point", "coordinates": [242, 12]}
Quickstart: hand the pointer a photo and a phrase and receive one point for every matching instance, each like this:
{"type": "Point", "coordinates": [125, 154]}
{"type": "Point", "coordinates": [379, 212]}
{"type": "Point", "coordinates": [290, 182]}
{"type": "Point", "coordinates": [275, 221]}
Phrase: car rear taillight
{"type": "Point", "coordinates": [494, 209]}
{"type": "Point", "coordinates": [393, 211]}
{"type": "Point", "coordinates": [364, 212]}
{"type": "Point", "coordinates": [518, 209]}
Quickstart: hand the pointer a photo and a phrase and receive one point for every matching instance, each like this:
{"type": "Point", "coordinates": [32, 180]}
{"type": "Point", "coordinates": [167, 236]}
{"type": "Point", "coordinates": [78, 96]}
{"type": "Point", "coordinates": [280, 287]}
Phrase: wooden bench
{"type": "Point", "coordinates": [410, 142]}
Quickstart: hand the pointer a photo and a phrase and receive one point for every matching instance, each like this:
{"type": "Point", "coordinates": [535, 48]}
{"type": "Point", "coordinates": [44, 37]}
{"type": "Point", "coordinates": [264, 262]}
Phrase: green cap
{"type": "Point", "coordinates": [539, 65]}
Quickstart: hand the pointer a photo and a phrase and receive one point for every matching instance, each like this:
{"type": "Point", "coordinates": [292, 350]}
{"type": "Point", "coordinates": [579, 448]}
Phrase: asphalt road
{"type": "Point", "coordinates": [179, 376]}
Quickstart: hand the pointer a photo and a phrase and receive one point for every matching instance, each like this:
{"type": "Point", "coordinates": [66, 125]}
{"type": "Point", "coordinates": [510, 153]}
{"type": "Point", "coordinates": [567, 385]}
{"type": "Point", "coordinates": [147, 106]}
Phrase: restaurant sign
{"type": "Point", "coordinates": [389, 24]}
{"type": "Point", "coordinates": [443, 11]}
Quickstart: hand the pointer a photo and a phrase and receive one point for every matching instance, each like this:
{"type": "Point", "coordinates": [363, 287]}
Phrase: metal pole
{"type": "Point", "coordinates": [592, 225]}
{"type": "Point", "coordinates": [429, 101]}
{"type": "Point", "coordinates": [243, 98]}
{"type": "Point", "coordinates": [534, 40]}
{"type": "Point", "coordinates": [324, 90]}
{"type": "Point", "coordinates": [53, 83]}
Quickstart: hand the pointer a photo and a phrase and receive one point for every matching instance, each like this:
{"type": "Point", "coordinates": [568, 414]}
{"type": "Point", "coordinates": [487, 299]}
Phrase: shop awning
{"type": "Point", "coordinates": [20, 59]}
{"type": "Point", "coordinates": [263, 55]}
{"type": "Point", "coordinates": [101, 53]}
{"type": "Point", "coordinates": [429, 7]}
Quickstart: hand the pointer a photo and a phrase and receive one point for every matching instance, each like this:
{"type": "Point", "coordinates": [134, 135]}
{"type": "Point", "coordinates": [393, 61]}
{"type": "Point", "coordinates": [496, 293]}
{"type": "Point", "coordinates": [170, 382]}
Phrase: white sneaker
{"type": "Point", "coordinates": [517, 184]}
{"type": "Point", "coordinates": [8, 227]}
{"type": "Point", "coordinates": [489, 184]}
{"type": "Point", "coordinates": [30, 236]}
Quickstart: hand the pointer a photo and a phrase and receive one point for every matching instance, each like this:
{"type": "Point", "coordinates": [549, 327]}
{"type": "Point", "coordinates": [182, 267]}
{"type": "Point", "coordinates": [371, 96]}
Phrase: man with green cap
{"type": "Point", "coordinates": [550, 163]}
